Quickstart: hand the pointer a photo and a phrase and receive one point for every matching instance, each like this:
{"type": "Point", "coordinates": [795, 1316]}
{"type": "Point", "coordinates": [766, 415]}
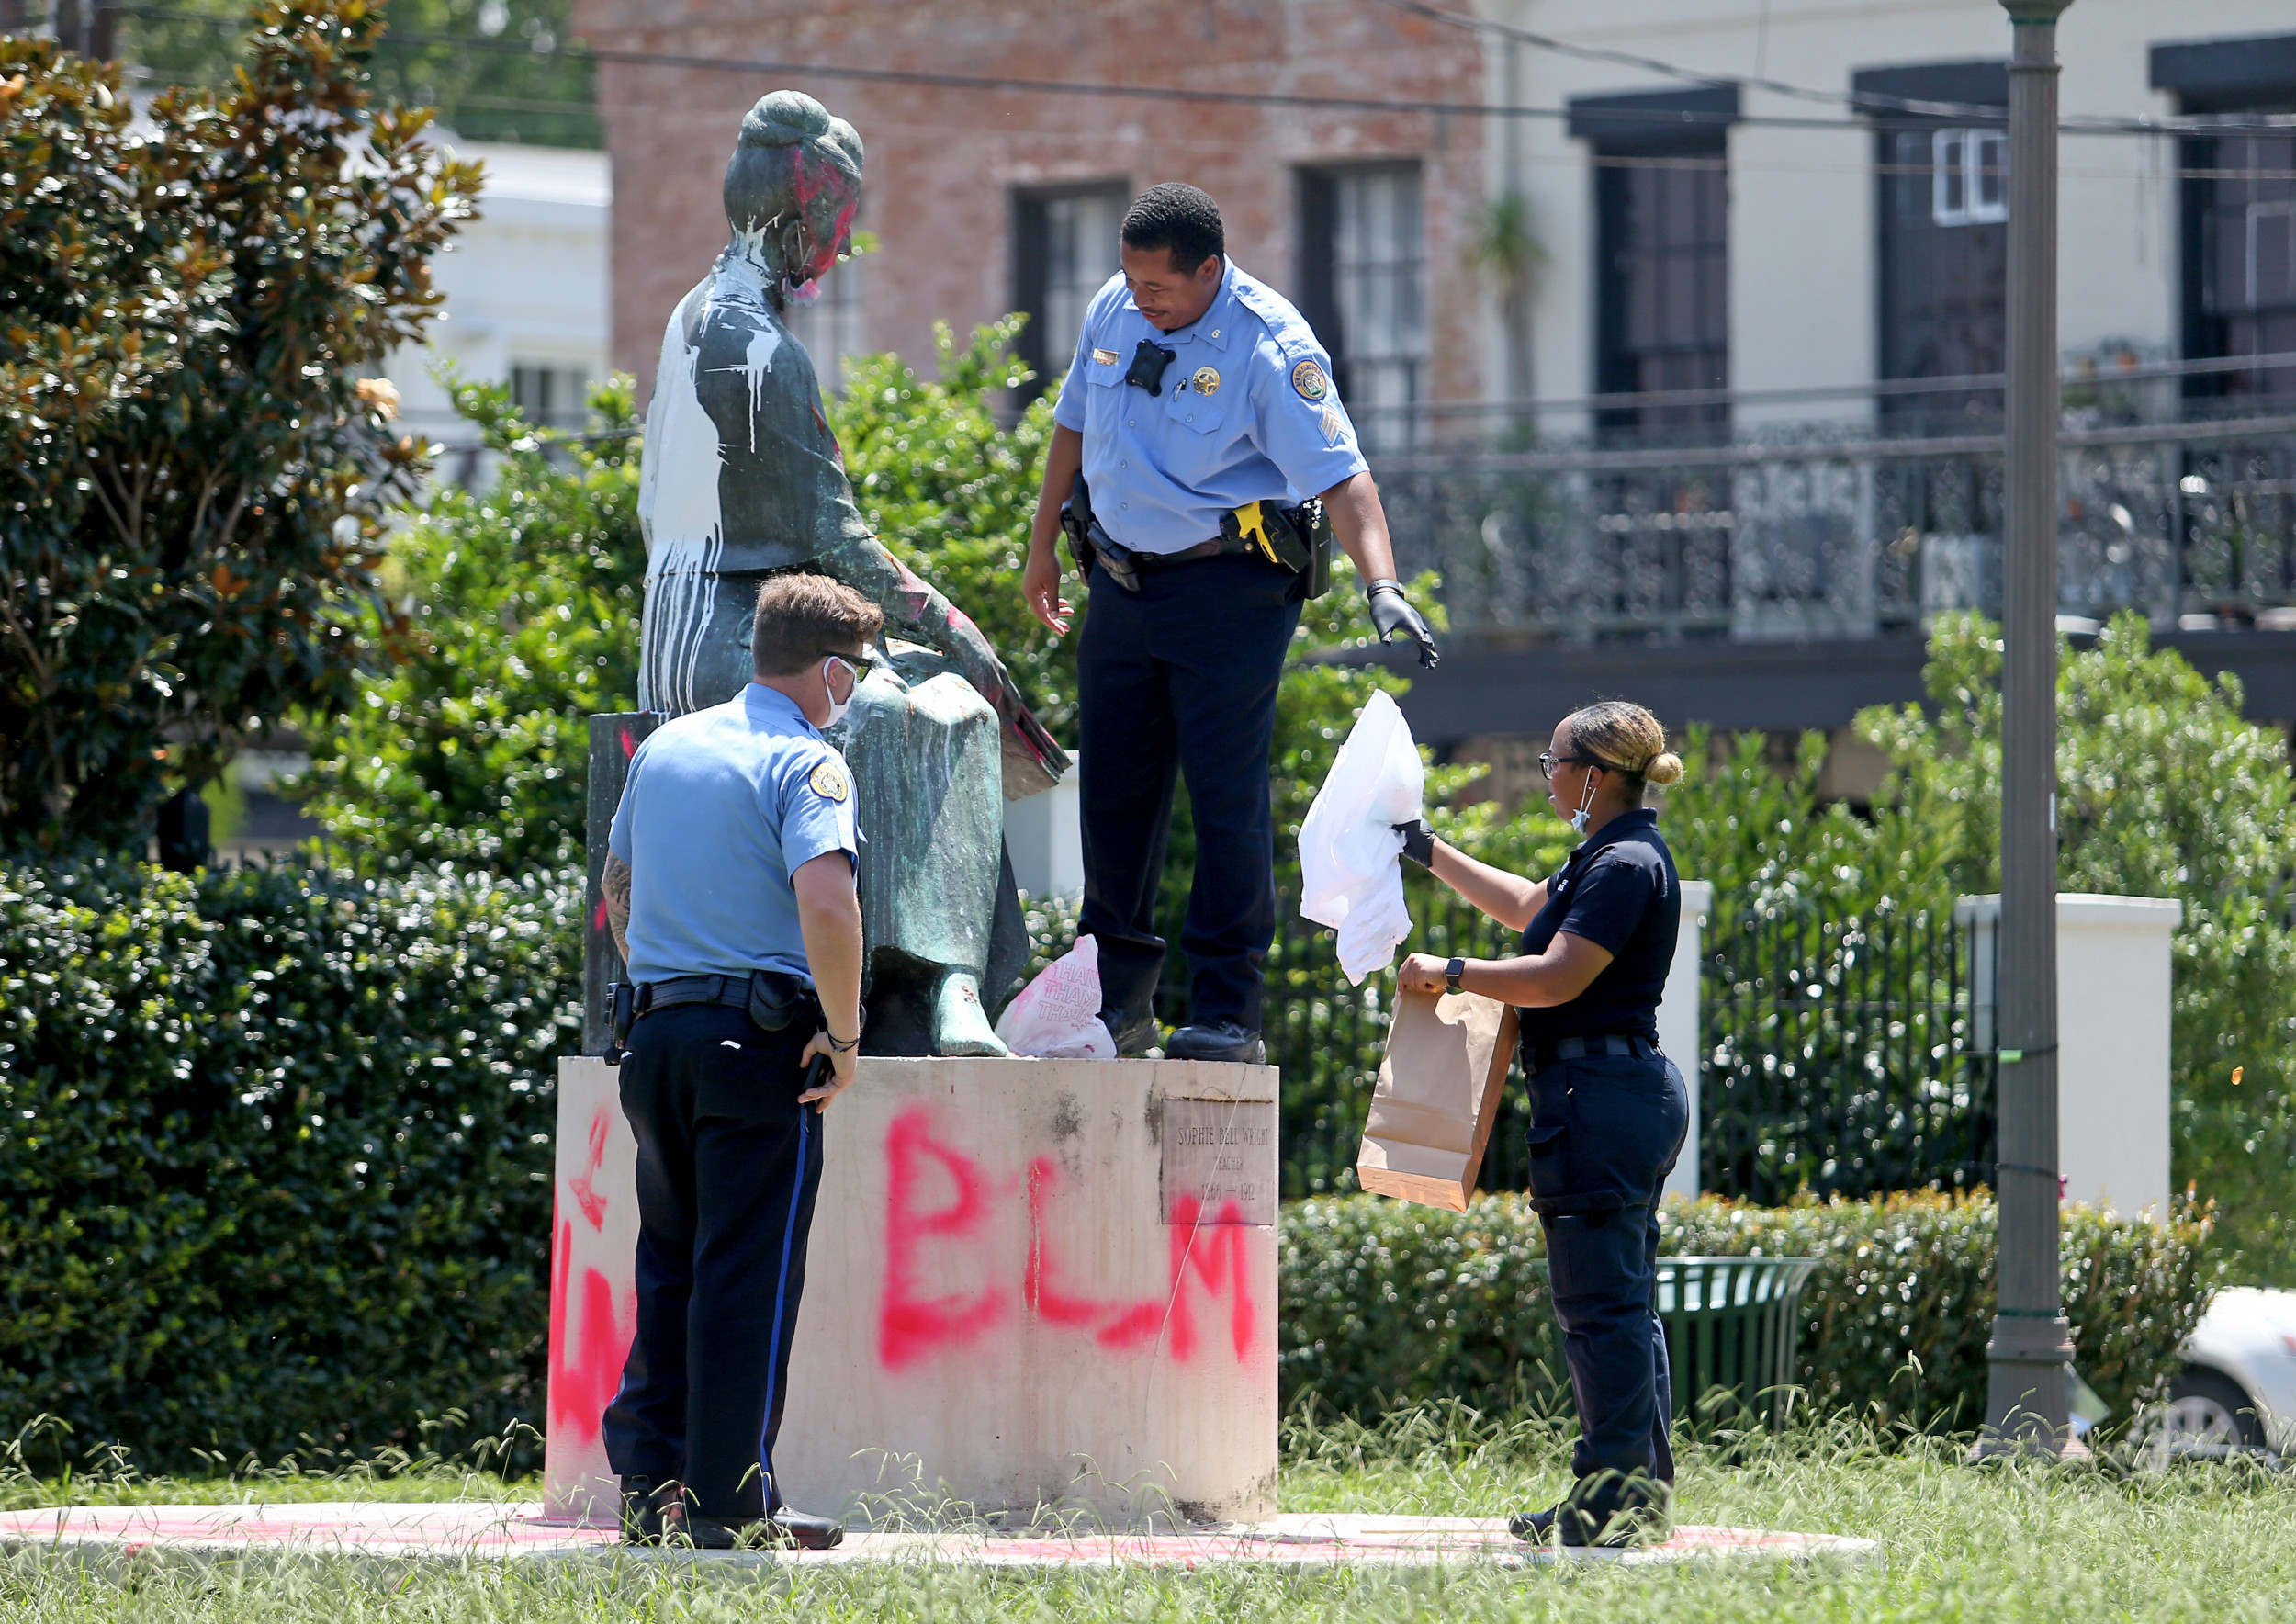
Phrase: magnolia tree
{"type": "Point", "coordinates": [193, 477]}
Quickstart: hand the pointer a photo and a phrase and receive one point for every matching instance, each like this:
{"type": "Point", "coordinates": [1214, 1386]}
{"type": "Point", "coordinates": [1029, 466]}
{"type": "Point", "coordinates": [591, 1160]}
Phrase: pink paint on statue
{"type": "Point", "coordinates": [911, 1327]}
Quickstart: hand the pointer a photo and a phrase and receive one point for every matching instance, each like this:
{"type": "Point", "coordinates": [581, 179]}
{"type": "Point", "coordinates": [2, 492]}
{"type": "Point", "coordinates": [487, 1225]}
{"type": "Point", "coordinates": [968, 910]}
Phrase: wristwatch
{"type": "Point", "coordinates": [1451, 973]}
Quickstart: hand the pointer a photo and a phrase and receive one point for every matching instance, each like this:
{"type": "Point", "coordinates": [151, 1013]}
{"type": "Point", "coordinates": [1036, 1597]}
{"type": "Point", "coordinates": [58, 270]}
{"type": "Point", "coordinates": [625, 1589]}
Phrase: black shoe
{"type": "Point", "coordinates": [782, 1529]}
{"type": "Point", "coordinates": [808, 1532]}
{"type": "Point", "coordinates": [1532, 1527]}
{"type": "Point", "coordinates": [1615, 1530]}
{"type": "Point", "coordinates": [1217, 1039]}
{"type": "Point", "coordinates": [1135, 1031]}
{"type": "Point", "coordinates": [650, 1511]}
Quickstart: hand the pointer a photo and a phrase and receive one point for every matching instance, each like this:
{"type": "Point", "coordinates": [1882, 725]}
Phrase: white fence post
{"type": "Point", "coordinates": [1678, 1022]}
{"type": "Point", "coordinates": [2112, 1041]}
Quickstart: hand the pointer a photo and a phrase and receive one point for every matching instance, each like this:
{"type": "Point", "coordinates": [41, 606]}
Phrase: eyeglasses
{"type": "Point", "coordinates": [860, 665]}
{"type": "Point", "coordinates": [1548, 761]}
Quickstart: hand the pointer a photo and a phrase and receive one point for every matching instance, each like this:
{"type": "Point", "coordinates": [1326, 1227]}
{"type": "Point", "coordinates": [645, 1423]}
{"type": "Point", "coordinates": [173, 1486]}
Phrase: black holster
{"type": "Point", "coordinates": [776, 999]}
{"type": "Point", "coordinates": [1087, 540]}
{"type": "Point", "coordinates": [622, 1011]}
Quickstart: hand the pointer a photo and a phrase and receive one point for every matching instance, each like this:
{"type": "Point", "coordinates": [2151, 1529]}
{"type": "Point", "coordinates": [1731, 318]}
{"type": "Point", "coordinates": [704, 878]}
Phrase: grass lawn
{"type": "Point", "coordinates": [2213, 1543]}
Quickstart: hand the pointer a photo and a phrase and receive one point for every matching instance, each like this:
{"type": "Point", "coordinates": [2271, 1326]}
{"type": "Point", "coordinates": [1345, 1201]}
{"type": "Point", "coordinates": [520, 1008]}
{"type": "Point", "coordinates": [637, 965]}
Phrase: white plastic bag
{"type": "Point", "coordinates": [1350, 852]}
{"type": "Point", "coordinates": [1057, 1016]}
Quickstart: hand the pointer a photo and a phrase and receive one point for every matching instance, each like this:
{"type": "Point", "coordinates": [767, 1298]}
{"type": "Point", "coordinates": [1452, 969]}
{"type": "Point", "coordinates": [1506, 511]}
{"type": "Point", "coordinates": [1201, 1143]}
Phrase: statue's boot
{"type": "Point", "coordinates": [929, 785]}
{"type": "Point", "coordinates": [960, 1024]}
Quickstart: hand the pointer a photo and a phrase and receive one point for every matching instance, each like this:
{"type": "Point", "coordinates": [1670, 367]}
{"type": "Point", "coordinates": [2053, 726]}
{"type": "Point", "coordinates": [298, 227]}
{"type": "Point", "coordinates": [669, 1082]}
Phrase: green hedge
{"type": "Point", "coordinates": [274, 1153]}
{"type": "Point", "coordinates": [1386, 1303]}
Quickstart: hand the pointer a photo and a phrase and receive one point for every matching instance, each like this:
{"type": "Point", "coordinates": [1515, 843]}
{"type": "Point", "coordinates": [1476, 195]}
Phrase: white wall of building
{"type": "Point", "coordinates": [525, 284]}
{"type": "Point", "coordinates": [1804, 294]}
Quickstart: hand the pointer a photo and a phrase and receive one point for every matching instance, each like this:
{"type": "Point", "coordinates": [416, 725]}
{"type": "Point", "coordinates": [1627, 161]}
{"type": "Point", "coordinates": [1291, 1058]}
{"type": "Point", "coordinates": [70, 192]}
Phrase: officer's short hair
{"type": "Point", "coordinates": [1179, 219]}
{"type": "Point", "coordinates": [801, 616]}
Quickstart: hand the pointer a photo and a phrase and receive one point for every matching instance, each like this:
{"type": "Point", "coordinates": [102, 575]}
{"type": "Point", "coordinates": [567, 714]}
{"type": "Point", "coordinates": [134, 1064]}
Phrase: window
{"type": "Point", "coordinates": [1968, 178]}
{"type": "Point", "coordinates": [551, 395]}
{"type": "Point", "coordinates": [2238, 210]}
{"type": "Point", "coordinates": [1064, 251]}
{"type": "Point", "coordinates": [1362, 277]}
{"type": "Point", "coordinates": [831, 327]}
{"type": "Point", "coordinates": [1942, 248]}
{"type": "Point", "coordinates": [1662, 253]}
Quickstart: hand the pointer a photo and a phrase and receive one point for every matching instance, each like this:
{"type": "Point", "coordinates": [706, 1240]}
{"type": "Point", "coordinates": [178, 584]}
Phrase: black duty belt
{"type": "Point", "coordinates": [1609, 1042]}
{"type": "Point", "coordinates": [693, 989]}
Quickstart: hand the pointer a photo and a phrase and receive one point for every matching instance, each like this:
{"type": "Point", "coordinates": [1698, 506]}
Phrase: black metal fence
{"type": "Point", "coordinates": [1839, 1056]}
{"type": "Point", "coordinates": [1835, 1054]}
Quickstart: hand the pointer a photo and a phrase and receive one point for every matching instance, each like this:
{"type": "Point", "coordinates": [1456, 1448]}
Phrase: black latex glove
{"type": "Point", "coordinates": [1418, 841]}
{"type": "Point", "coordinates": [1391, 613]}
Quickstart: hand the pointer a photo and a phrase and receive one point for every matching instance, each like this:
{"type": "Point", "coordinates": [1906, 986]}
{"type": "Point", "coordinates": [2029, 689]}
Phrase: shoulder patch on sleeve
{"type": "Point", "coordinates": [827, 780]}
{"type": "Point", "coordinates": [1308, 380]}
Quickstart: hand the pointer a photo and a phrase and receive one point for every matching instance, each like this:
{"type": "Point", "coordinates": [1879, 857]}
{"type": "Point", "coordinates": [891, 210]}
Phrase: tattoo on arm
{"type": "Point", "coordinates": [616, 885]}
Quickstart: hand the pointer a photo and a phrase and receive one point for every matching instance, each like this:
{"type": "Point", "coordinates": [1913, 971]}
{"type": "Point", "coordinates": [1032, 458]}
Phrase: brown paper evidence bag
{"type": "Point", "coordinates": [1440, 1084]}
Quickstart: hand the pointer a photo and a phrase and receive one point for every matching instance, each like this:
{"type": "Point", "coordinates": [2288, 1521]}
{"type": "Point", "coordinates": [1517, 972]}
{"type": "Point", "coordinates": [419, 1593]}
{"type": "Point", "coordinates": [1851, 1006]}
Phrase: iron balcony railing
{"type": "Point", "coordinates": [1842, 533]}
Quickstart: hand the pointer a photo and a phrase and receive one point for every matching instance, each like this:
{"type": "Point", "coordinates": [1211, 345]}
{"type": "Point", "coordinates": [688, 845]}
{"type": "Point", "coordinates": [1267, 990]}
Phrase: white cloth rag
{"type": "Point", "coordinates": [1350, 852]}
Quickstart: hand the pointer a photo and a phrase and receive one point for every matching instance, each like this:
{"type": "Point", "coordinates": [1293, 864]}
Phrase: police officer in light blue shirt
{"type": "Point", "coordinates": [731, 891]}
{"type": "Point", "coordinates": [1197, 420]}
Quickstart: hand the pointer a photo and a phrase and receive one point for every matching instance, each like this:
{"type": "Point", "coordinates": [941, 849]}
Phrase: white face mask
{"type": "Point", "coordinates": [1578, 818]}
{"type": "Point", "coordinates": [829, 665]}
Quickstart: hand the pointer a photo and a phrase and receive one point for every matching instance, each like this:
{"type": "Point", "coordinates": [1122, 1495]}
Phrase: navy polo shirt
{"type": "Point", "coordinates": [1619, 891]}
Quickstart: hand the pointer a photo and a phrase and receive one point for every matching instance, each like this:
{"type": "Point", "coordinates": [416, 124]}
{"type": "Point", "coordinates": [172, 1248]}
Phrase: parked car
{"type": "Point", "coordinates": [2237, 1390]}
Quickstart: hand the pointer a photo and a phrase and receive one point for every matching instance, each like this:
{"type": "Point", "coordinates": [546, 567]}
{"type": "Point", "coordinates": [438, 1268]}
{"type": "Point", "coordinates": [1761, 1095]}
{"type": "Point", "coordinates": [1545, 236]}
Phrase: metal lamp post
{"type": "Point", "coordinates": [2032, 1343]}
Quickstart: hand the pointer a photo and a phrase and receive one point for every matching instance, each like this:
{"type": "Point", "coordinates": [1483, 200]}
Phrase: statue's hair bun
{"type": "Point", "coordinates": [784, 118]}
{"type": "Point", "coordinates": [793, 118]}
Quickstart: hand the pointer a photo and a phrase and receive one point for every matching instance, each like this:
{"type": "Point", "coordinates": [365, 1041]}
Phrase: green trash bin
{"type": "Point", "coordinates": [1731, 1325]}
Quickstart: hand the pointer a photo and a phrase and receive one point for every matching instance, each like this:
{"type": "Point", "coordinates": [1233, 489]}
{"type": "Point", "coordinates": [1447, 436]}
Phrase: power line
{"type": "Point", "coordinates": [1870, 101]}
{"type": "Point", "coordinates": [996, 84]}
{"type": "Point", "coordinates": [1973, 113]}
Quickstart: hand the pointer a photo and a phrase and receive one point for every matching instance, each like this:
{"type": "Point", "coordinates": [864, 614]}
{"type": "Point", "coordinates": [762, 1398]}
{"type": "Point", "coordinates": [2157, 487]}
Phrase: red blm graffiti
{"type": "Point", "coordinates": [909, 1324]}
{"type": "Point", "coordinates": [585, 1184]}
{"type": "Point", "coordinates": [586, 1368]}
{"type": "Point", "coordinates": [1208, 1259]}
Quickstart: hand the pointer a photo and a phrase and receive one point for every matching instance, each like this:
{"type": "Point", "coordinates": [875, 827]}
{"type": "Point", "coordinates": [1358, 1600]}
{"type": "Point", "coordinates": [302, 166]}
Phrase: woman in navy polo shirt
{"type": "Point", "coordinates": [1608, 1110]}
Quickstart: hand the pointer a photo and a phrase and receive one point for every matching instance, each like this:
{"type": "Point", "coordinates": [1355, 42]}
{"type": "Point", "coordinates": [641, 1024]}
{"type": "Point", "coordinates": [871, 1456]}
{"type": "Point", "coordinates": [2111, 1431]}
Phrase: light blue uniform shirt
{"type": "Point", "coordinates": [720, 807]}
{"type": "Point", "coordinates": [1246, 414]}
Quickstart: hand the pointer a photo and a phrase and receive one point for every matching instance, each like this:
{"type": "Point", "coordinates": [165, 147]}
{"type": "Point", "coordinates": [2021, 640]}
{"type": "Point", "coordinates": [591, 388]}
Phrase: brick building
{"type": "Point", "coordinates": [986, 201]}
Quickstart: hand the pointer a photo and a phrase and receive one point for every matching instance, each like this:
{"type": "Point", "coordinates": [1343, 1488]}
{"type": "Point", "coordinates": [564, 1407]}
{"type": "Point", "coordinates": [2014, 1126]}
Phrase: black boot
{"type": "Point", "coordinates": [1217, 1039]}
{"type": "Point", "coordinates": [1135, 1031]}
{"type": "Point", "coordinates": [650, 1511]}
{"type": "Point", "coordinates": [1534, 1526]}
{"type": "Point", "coordinates": [779, 1530]}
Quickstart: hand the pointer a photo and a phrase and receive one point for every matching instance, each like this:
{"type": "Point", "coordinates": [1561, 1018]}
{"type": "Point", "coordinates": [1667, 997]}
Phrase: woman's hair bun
{"type": "Point", "coordinates": [1665, 768]}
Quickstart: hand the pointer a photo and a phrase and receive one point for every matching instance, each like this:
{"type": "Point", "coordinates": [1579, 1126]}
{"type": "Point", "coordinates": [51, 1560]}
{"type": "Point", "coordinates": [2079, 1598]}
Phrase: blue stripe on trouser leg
{"type": "Point", "coordinates": [722, 1144]}
{"type": "Point", "coordinates": [774, 1354]}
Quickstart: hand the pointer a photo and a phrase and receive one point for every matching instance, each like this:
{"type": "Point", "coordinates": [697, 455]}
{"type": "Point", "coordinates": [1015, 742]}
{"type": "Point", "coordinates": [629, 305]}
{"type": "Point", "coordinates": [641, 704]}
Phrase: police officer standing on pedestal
{"type": "Point", "coordinates": [1198, 431]}
{"type": "Point", "coordinates": [730, 891]}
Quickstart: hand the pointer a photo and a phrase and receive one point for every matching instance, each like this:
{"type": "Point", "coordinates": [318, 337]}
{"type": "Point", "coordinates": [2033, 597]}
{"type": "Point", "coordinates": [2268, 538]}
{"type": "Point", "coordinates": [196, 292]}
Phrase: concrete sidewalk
{"type": "Point", "coordinates": [456, 1530]}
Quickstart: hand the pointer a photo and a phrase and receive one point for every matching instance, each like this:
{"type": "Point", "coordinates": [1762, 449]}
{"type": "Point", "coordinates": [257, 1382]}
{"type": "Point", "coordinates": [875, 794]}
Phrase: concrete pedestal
{"type": "Point", "coordinates": [1031, 1282]}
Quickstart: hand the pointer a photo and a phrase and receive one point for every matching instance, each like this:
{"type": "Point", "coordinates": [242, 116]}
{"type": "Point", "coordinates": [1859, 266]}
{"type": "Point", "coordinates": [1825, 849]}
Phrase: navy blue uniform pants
{"type": "Point", "coordinates": [1182, 679]}
{"type": "Point", "coordinates": [729, 1163]}
{"type": "Point", "coordinates": [1604, 1133]}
